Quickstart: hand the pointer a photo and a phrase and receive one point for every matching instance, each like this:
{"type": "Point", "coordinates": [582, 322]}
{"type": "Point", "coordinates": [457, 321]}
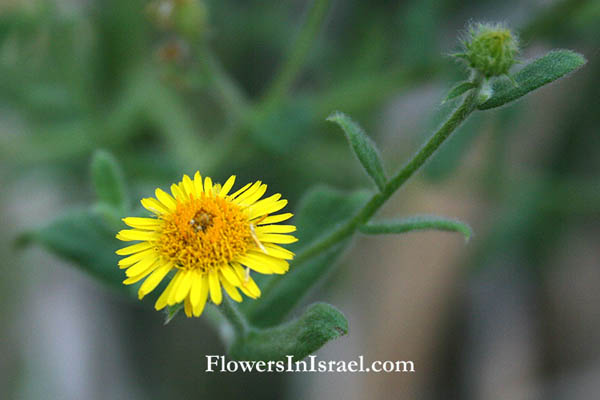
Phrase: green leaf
{"type": "Point", "coordinates": [459, 90]}
{"type": "Point", "coordinates": [318, 325]}
{"type": "Point", "coordinates": [108, 180]}
{"type": "Point", "coordinates": [81, 237]}
{"type": "Point", "coordinates": [363, 147]}
{"type": "Point", "coordinates": [417, 223]}
{"type": "Point", "coordinates": [546, 69]}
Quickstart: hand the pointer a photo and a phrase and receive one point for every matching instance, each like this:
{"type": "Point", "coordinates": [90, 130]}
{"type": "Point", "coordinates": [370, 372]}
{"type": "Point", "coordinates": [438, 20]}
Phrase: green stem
{"type": "Point", "coordinates": [346, 230]}
{"type": "Point", "coordinates": [236, 319]}
{"type": "Point", "coordinates": [297, 56]}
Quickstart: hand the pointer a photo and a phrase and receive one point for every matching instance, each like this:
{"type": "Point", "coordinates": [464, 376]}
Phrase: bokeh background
{"type": "Point", "coordinates": [513, 314]}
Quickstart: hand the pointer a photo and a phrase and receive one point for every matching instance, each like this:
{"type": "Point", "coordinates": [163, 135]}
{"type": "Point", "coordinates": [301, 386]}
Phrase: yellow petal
{"type": "Point", "coordinates": [250, 199]}
{"type": "Point", "coordinates": [240, 191]}
{"type": "Point", "coordinates": [177, 193]}
{"type": "Point", "coordinates": [128, 235]}
{"type": "Point", "coordinates": [273, 219]}
{"type": "Point", "coordinates": [251, 190]}
{"type": "Point", "coordinates": [278, 251]}
{"type": "Point", "coordinates": [198, 183]}
{"type": "Point", "coordinates": [128, 261]}
{"type": "Point", "coordinates": [231, 291]}
{"type": "Point", "coordinates": [248, 286]}
{"type": "Point", "coordinates": [165, 199]}
{"type": "Point", "coordinates": [154, 279]}
{"type": "Point", "coordinates": [134, 279]}
{"type": "Point", "coordinates": [197, 280]}
{"type": "Point", "coordinates": [188, 185]}
{"type": "Point", "coordinates": [269, 205]}
{"type": "Point", "coordinates": [183, 289]}
{"type": "Point", "coordinates": [187, 307]}
{"type": "Point", "coordinates": [201, 302]}
{"type": "Point", "coordinates": [230, 275]}
{"type": "Point", "coordinates": [255, 264]}
{"type": "Point", "coordinates": [278, 265]}
{"type": "Point", "coordinates": [162, 300]}
{"type": "Point", "coordinates": [178, 278]}
{"type": "Point", "coordinates": [141, 266]}
{"type": "Point", "coordinates": [153, 205]}
{"type": "Point", "coordinates": [215, 287]}
{"type": "Point", "coordinates": [276, 238]}
{"type": "Point", "coordinates": [134, 248]}
{"type": "Point", "coordinates": [143, 223]}
{"type": "Point", "coordinates": [227, 186]}
{"type": "Point", "coordinates": [208, 186]}
{"type": "Point", "coordinates": [275, 229]}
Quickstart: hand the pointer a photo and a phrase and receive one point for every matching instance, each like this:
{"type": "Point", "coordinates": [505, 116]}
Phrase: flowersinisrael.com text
{"type": "Point", "coordinates": [216, 363]}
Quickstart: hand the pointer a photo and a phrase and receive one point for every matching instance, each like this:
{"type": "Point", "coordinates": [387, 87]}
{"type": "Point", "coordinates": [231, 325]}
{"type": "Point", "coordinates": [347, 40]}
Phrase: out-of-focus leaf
{"type": "Point", "coordinates": [319, 324]}
{"type": "Point", "coordinates": [81, 237]}
{"type": "Point", "coordinates": [417, 223]}
{"type": "Point", "coordinates": [363, 147]}
{"type": "Point", "coordinates": [546, 69]}
{"type": "Point", "coordinates": [108, 180]}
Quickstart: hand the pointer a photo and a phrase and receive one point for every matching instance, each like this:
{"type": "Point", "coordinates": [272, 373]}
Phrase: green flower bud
{"type": "Point", "coordinates": [490, 49]}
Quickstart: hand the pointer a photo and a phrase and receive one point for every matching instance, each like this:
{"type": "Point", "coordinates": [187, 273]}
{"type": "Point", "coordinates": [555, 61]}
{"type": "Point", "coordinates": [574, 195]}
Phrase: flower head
{"type": "Point", "coordinates": [490, 49]}
{"type": "Point", "coordinates": [210, 239]}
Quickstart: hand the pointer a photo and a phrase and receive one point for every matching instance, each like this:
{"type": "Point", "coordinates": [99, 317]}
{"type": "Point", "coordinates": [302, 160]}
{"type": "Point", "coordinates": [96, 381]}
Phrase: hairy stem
{"type": "Point", "coordinates": [346, 230]}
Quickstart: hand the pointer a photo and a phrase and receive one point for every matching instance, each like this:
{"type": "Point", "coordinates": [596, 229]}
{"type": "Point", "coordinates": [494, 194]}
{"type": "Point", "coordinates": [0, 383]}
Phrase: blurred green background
{"type": "Point", "coordinates": [513, 314]}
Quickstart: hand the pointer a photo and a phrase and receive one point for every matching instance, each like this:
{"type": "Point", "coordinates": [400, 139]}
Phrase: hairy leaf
{"type": "Point", "coordinates": [546, 69]}
{"type": "Point", "coordinates": [417, 223]}
{"type": "Point", "coordinates": [319, 324]}
{"type": "Point", "coordinates": [363, 147]}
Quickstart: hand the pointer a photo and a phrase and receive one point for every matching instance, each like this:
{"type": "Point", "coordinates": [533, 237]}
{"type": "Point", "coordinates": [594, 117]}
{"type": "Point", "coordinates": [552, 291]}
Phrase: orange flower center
{"type": "Point", "coordinates": [205, 233]}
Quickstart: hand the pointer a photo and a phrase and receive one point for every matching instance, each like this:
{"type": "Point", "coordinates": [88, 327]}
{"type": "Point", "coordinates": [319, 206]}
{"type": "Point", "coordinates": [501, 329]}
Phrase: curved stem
{"type": "Point", "coordinates": [346, 230]}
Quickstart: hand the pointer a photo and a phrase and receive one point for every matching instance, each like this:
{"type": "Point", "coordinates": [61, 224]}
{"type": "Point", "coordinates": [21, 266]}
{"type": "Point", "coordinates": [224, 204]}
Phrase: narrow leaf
{"type": "Point", "coordinates": [319, 324]}
{"type": "Point", "coordinates": [417, 223]}
{"type": "Point", "coordinates": [459, 90]}
{"type": "Point", "coordinates": [108, 180]}
{"type": "Point", "coordinates": [546, 69]}
{"type": "Point", "coordinates": [363, 147]}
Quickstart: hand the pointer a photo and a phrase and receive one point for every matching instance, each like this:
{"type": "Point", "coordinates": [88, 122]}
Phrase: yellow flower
{"type": "Point", "coordinates": [210, 238]}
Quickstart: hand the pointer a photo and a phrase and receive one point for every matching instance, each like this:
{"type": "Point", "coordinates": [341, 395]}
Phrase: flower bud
{"type": "Point", "coordinates": [490, 49]}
